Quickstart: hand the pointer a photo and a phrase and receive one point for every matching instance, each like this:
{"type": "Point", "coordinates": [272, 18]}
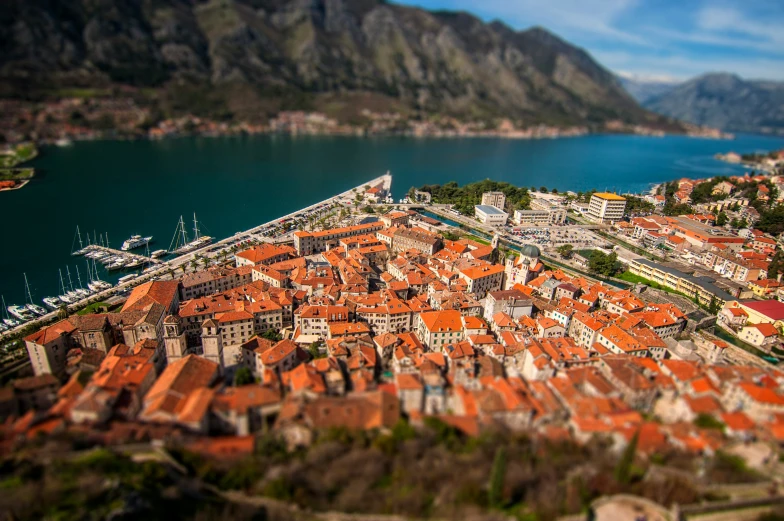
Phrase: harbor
{"type": "Point", "coordinates": [202, 247]}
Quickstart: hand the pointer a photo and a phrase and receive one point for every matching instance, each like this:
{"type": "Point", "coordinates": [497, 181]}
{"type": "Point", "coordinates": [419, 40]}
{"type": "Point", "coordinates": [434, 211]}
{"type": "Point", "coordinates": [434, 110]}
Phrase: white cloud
{"type": "Point", "coordinates": [685, 67]}
{"type": "Point", "coordinates": [589, 18]}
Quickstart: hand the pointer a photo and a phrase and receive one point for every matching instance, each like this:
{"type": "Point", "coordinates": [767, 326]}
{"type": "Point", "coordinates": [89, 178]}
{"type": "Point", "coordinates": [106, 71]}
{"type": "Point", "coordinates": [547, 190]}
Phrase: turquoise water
{"type": "Point", "coordinates": [128, 187]}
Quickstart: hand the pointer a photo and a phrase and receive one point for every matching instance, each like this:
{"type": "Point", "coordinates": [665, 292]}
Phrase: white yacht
{"type": "Point", "coordinates": [83, 293]}
{"type": "Point", "coordinates": [20, 312]}
{"type": "Point", "coordinates": [98, 285]}
{"type": "Point", "coordinates": [52, 302]}
{"type": "Point", "coordinates": [126, 278]}
{"type": "Point", "coordinates": [135, 241]}
{"type": "Point", "coordinates": [135, 263]}
{"type": "Point", "coordinates": [36, 309]}
{"type": "Point", "coordinates": [117, 264]}
{"type": "Point", "coordinates": [158, 253]}
{"type": "Point", "coordinates": [10, 322]}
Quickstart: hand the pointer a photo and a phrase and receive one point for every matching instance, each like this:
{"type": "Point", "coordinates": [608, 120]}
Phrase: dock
{"type": "Point", "coordinates": [118, 253]}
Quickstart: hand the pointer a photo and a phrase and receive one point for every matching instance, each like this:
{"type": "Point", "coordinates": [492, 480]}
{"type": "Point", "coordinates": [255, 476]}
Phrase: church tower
{"type": "Point", "coordinates": [211, 342]}
{"type": "Point", "coordinates": [174, 339]}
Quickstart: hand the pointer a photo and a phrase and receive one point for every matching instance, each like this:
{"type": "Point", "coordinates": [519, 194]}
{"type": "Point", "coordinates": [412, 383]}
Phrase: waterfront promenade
{"type": "Point", "coordinates": [209, 251]}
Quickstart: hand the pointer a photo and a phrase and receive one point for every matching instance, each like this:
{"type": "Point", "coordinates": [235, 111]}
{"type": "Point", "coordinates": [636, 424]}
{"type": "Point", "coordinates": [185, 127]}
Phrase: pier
{"type": "Point", "coordinates": [119, 253]}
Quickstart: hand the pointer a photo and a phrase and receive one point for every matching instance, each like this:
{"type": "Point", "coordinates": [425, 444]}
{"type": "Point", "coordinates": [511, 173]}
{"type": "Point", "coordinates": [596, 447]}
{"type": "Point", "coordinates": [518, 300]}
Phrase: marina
{"type": "Point", "coordinates": [74, 296]}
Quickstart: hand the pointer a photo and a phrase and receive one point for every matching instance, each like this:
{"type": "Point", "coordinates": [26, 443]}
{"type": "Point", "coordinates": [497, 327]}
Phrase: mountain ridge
{"type": "Point", "coordinates": [251, 58]}
{"type": "Point", "coordinates": [725, 101]}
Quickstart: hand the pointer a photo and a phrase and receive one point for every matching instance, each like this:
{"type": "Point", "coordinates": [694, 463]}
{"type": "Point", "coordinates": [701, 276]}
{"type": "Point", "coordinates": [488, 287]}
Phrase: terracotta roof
{"type": "Point", "coordinates": [278, 352]}
{"type": "Point", "coordinates": [163, 292]}
{"type": "Point", "coordinates": [169, 392]}
{"type": "Point", "coordinates": [50, 333]}
{"type": "Point", "coordinates": [442, 321]}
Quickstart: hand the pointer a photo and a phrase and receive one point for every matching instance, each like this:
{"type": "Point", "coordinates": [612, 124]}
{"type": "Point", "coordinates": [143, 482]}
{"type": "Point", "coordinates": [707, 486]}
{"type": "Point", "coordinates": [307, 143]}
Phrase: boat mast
{"type": "Point", "coordinates": [27, 289]}
{"type": "Point", "coordinates": [70, 282]}
{"type": "Point", "coordinates": [195, 227]}
{"type": "Point", "coordinates": [5, 309]}
{"type": "Point", "coordinates": [62, 282]}
{"type": "Point", "coordinates": [89, 271]}
{"type": "Point", "coordinates": [79, 278]}
{"type": "Point", "coordinates": [79, 234]}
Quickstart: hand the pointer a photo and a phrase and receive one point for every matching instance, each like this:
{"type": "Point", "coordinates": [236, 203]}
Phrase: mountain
{"type": "Point", "coordinates": [643, 89]}
{"type": "Point", "coordinates": [252, 58]}
{"type": "Point", "coordinates": [725, 101]}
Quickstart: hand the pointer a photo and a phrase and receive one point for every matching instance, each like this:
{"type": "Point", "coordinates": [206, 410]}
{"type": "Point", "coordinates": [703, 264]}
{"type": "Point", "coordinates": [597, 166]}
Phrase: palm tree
{"type": "Point", "coordinates": [62, 312]}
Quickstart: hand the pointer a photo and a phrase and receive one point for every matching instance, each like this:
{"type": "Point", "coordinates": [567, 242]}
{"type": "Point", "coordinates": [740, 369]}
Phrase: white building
{"type": "Point", "coordinates": [542, 212]}
{"type": "Point", "coordinates": [497, 199]}
{"type": "Point", "coordinates": [487, 214]}
{"type": "Point", "coordinates": [605, 207]}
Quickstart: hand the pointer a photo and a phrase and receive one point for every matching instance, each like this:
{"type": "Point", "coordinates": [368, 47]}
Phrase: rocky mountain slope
{"type": "Point", "coordinates": [644, 89]}
{"type": "Point", "coordinates": [725, 101]}
{"type": "Point", "coordinates": [251, 58]}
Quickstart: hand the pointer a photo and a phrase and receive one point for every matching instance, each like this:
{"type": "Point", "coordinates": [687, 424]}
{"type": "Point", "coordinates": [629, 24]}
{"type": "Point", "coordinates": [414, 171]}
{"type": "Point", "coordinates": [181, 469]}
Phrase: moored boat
{"type": "Point", "coordinates": [135, 241]}
{"type": "Point", "coordinates": [52, 302]}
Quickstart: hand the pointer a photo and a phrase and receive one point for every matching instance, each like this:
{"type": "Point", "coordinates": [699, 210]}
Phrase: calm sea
{"type": "Point", "coordinates": [129, 187]}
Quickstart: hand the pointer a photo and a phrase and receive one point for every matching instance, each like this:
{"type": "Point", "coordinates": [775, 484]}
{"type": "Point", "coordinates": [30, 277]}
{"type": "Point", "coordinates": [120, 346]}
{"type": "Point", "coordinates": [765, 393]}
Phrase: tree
{"type": "Point", "coordinates": [623, 471]}
{"type": "Point", "coordinates": [604, 264]}
{"type": "Point", "coordinates": [776, 266]}
{"type": "Point", "coordinates": [543, 189]}
{"type": "Point", "coordinates": [243, 376]}
{"type": "Point", "coordinates": [566, 251]}
{"type": "Point", "coordinates": [495, 493]}
{"type": "Point", "coordinates": [271, 334]}
{"type": "Point", "coordinates": [721, 219]}
{"type": "Point", "coordinates": [315, 350]}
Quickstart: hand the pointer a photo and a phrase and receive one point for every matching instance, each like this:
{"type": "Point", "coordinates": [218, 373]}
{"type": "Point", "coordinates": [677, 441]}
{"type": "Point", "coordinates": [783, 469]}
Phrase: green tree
{"type": "Point", "coordinates": [721, 219]}
{"type": "Point", "coordinates": [315, 350]}
{"type": "Point", "coordinates": [495, 493]}
{"type": "Point", "coordinates": [271, 334]}
{"type": "Point", "coordinates": [776, 266]}
{"type": "Point", "coordinates": [603, 263]}
{"type": "Point", "coordinates": [566, 251]}
{"type": "Point", "coordinates": [543, 189]}
{"type": "Point", "coordinates": [623, 470]}
{"type": "Point", "coordinates": [243, 376]}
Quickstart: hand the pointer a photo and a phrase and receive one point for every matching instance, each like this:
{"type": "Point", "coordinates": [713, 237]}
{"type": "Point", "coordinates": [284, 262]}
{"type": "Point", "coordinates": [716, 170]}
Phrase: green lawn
{"type": "Point", "coordinates": [478, 239]}
{"type": "Point", "coordinates": [96, 307]}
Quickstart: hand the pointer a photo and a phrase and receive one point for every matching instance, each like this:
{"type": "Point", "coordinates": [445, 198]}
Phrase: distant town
{"type": "Point", "coordinates": [649, 324]}
{"type": "Point", "coordinates": [68, 119]}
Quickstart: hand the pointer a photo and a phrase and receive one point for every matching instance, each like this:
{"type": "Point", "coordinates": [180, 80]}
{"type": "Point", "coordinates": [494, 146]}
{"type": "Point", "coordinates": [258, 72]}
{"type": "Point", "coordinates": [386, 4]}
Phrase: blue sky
{"type": "Point", "coordinates": [653, 38]}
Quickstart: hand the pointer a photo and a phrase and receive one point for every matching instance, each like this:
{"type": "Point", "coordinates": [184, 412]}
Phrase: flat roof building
{"type": "Point", "coordinates": [490, 215]}
{"type": "Point", "coordinates": [606, 207]}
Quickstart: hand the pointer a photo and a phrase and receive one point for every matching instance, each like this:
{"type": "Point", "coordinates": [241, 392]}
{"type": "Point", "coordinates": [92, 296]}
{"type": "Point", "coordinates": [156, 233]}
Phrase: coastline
{"type": "Point", "coordinates": [16, 187]}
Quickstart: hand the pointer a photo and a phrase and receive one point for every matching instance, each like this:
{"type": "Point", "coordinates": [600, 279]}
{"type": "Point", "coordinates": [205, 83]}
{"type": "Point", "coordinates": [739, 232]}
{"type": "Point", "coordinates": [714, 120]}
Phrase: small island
{"type": "Point", "coordinates": [11, 176]}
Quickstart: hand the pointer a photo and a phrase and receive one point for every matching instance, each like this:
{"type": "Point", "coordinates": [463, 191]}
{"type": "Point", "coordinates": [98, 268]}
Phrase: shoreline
{"type": "Point", "coordinates": [21, 184]}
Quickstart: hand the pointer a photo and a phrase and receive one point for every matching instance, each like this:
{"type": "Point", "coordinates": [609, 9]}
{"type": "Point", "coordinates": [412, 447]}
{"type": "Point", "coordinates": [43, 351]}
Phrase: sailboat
{"type": "Point", "coordinates": [80, 290]}
{"type": "Point", "coordinates": [34, 308]}
{"type": "Point", "coordinates": [10, 322]}
{"type": "Point", "coordinates": [71, 292]}
{"type": "Point", "coordinates": [82, 250]}
{"type": "Point", "coordinates": [64, 296]}
{"type": "Point", "coordinates": [180, 244]}
{"type": "Point", "coordinates": [96, 284]}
